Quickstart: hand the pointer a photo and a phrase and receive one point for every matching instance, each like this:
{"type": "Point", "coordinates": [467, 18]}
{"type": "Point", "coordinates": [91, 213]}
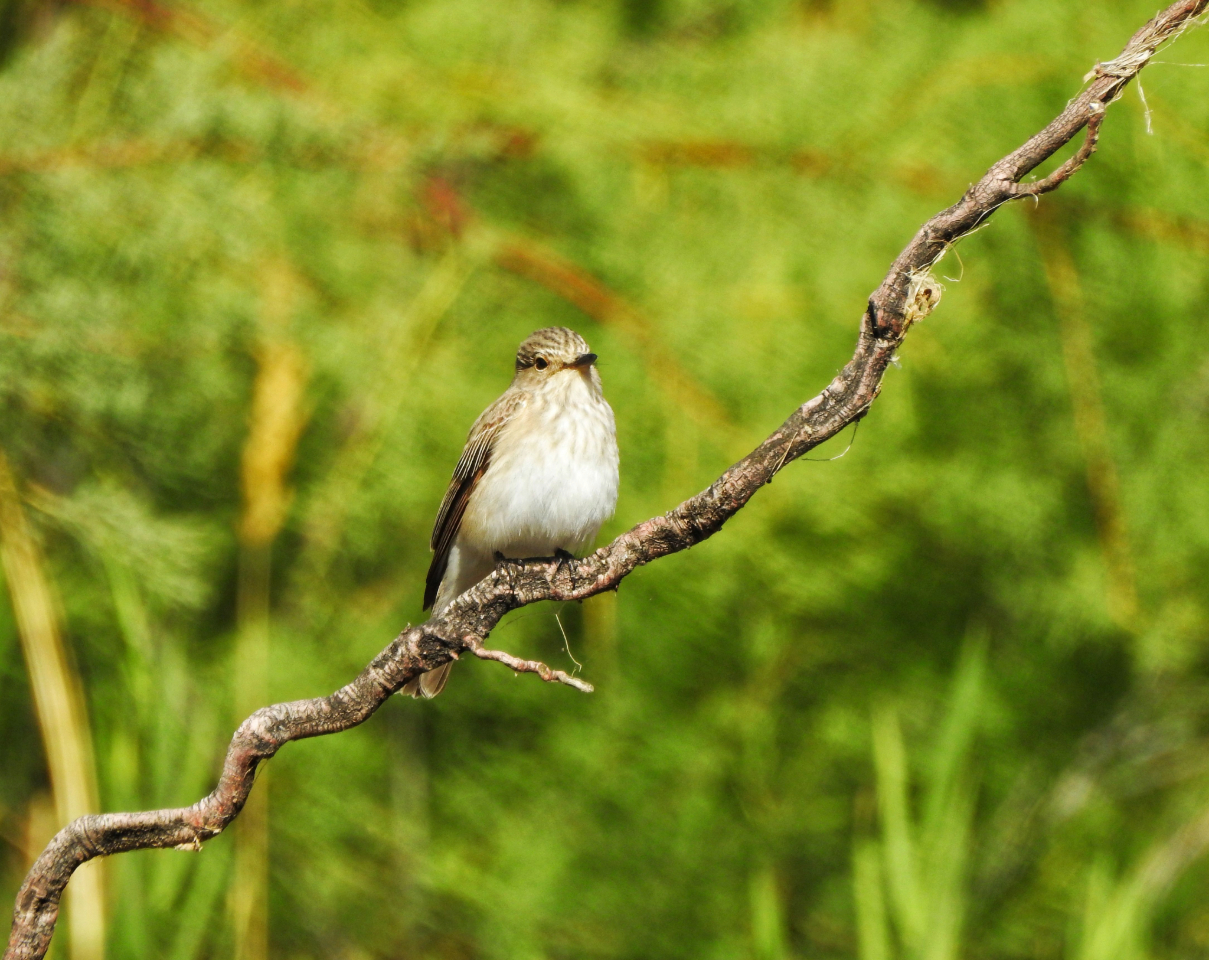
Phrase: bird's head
{"type": "Point", "coordinates": [554, 352]}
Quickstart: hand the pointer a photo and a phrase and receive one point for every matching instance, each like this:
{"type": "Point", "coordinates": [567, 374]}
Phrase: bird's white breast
{"type": "Point", "coordinates": [552, 479]}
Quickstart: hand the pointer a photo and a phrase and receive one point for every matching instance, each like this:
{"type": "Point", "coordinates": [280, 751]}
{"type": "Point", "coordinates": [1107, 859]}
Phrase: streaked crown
{"type": "Point", "coordinates": [555, 345]}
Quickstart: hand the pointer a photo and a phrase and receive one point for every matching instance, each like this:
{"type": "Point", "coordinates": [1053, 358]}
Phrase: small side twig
{"type": "Point", "coordinates": [549, 674]}
{"type": "Point", "coordinates": [1073, 163]}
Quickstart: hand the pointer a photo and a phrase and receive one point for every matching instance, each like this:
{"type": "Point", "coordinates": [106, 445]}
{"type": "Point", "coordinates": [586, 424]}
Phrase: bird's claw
{"type": "Point", "coordinates": [507, 563]}
{"type": "Point", "coordinates": [510, 565]}
{"type": "Point", "coordinates": [561, 558]}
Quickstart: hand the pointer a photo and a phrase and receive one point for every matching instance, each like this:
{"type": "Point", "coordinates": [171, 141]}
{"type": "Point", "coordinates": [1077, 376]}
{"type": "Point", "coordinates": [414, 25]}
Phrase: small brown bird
{"type": "Point", "coordinates": [538, 475]}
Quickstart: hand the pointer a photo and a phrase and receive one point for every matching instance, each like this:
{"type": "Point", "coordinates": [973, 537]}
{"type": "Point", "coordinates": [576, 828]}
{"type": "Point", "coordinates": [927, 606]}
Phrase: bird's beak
{"type": "Point", "coordinates": [584, 360]}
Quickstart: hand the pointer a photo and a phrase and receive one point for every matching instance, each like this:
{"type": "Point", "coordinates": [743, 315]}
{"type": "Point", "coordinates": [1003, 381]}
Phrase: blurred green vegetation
{"type": "Point", "coordinates": [261, 265]}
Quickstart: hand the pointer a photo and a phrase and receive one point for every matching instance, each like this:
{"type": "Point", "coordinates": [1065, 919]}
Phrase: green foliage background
{"type": "Point", "coordinates": [902, 706]}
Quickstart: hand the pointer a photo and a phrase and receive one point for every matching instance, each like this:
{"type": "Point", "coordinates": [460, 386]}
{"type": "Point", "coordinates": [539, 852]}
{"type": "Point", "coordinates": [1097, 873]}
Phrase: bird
{"type": "Point", "coordinates": [537, 478]}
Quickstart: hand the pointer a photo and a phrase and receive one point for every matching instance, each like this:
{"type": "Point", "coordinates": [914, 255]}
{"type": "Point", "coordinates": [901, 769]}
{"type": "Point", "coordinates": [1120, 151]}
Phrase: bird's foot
{"type": "Point", "coordinates": [509, 564]}
{"type": "Point", "coordinates": [562, 557]}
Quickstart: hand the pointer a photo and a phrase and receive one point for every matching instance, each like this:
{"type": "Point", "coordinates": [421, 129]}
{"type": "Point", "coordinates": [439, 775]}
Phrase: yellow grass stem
{"type": "Point", "coordinates": [59, 704]}
{"type": "Point", "coordinates": [276, 422]}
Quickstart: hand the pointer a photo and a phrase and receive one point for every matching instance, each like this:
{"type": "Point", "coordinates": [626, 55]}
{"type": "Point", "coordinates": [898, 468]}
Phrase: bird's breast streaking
{"type": "Point", "coordinates": [553, 476]}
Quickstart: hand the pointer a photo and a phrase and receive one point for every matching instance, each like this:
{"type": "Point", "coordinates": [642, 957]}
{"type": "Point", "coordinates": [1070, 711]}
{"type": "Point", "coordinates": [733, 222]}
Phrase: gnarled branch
{"type": "Point", "coordinates": [904, 296]}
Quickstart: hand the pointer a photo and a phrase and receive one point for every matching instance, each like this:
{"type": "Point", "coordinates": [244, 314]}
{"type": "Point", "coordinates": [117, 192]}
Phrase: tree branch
{"type": "Point", "coordinates": [904, 296]}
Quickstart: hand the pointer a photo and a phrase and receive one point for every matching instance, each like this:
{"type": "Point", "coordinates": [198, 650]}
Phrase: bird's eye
{"type": "Point", "coordinates": [540, 363]}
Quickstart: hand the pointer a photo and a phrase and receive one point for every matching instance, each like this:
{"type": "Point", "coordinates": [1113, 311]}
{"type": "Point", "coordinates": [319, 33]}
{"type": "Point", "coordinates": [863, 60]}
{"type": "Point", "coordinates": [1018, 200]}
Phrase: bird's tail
{"type": "Point", "coordinates": [463, 571]}
{"type": "Point", "coordinates": [428, 685]}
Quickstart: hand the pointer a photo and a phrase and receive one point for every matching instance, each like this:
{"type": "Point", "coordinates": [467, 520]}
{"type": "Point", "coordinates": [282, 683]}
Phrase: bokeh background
{"type": "Point", "coordinates": [262, 264]}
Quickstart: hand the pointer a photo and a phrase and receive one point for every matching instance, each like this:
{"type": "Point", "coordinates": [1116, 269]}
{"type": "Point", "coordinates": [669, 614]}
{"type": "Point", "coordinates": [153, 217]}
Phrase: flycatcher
{"type": "Point", "coordinates": [537, 478]}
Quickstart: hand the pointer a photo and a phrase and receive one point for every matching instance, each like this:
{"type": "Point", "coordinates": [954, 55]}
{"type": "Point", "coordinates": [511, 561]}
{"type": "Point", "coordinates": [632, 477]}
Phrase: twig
{"type": "Point", "coordinates": [550, 675]}
{"type": "Point", "coordinates": [1064, 172]}
{"type": "Point", "coordinates": [473, 615]}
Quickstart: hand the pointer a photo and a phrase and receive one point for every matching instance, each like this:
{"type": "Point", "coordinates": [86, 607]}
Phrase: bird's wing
{"type": "Point", "coordinates": [476, 458]}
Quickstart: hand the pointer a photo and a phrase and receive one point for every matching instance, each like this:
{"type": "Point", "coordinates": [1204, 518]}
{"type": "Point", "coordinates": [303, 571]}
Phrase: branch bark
{"type": "Point", "coordinates": [904, 296]}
